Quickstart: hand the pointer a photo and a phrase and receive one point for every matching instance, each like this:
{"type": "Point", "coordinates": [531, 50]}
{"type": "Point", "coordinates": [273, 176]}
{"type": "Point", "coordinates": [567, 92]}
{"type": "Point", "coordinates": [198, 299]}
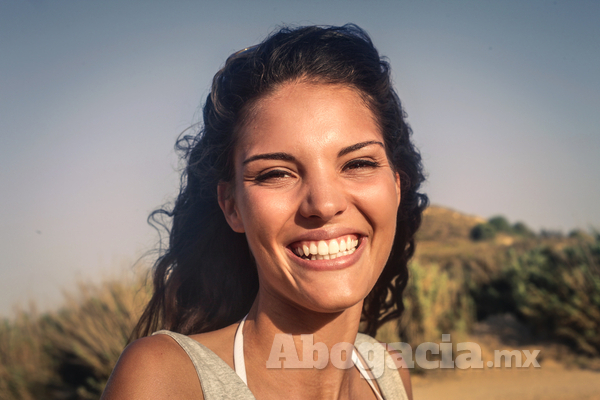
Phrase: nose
{"type": "Point", "coordinates": [323, 198]}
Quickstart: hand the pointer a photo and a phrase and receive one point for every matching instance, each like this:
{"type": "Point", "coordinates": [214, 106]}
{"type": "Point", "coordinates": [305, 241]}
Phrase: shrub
{"type": "Point", "coordinates": [89, 334]}
{"type": "Point", "coordinates": [521, 229]}
{"type": "Point", "coordinates": [551, 234]}
{"type": "Point", "coordinates": [558, 293]}
{"type": "Point", "coordinates": [436, 301]}
{"type": "Point", "coordinates": [581, 235]}
{"type": "Point", "coordinates": [500, 224]}
{"type": "Point", "coordinates": [483, 231]}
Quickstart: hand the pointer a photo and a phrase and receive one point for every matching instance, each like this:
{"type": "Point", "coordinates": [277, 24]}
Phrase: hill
{"type": "Point", "coordinates": [440, 223]}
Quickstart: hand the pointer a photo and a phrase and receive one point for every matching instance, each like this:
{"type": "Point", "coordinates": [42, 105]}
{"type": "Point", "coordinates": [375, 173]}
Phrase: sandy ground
{"type": "Point", "coordinates": [556, 379]}
{"type": "Point", "coordinates": [552, 381]}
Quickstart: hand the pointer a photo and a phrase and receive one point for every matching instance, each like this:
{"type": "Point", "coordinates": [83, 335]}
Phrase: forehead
{"type": "Point", "coordinates": [302, 113]}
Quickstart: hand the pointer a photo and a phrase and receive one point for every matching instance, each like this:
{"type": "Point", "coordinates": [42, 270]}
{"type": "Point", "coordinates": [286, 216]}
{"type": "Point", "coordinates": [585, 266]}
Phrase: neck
{"type": "Point", "coordinates": [271, 315]}
{"type": "Point", "coordinates": [305, 355]}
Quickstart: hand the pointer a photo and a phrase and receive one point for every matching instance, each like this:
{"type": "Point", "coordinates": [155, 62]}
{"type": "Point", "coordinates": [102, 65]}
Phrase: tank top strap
{"type": "Point", "coordinates": [217, 379]}
{"type": "Point", "coordinates": [389, 381]}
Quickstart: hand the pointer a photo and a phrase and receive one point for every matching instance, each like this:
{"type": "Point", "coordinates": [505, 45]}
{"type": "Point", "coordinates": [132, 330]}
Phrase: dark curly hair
{"type": "Point", "coordinates": [200, 285]}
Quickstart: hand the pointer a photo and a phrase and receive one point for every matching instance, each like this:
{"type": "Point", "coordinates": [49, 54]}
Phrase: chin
{"type": "Point", "coordinates": [334, 301]}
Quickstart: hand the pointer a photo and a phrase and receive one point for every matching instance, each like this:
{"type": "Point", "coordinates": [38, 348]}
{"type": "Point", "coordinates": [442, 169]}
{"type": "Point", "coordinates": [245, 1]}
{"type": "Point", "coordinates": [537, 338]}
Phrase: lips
{"type": "Point", "coordinates": [325, 249]}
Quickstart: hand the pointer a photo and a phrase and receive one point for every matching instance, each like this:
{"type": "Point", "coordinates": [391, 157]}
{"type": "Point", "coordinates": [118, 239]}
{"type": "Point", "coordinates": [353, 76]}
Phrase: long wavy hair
{"type": "Point", "coordinates": [207, 279]}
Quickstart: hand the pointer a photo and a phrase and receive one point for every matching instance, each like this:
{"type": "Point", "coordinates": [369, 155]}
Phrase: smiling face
{"type": "Point", "coordinates": [316, 196]}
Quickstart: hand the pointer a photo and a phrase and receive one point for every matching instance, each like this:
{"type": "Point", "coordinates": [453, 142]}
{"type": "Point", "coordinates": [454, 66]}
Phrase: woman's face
{"type": "Point", "coordinates": [316, 196]}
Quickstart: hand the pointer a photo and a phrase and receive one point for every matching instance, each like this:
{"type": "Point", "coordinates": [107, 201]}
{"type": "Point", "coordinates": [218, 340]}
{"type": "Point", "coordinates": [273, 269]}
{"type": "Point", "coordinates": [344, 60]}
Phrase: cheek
{"type": "Point", "coordinates": [264, 214]}
{"type": "Point", "coordinates": [379, 205]}
{"type": "Point", "coordinates": [382, 200]}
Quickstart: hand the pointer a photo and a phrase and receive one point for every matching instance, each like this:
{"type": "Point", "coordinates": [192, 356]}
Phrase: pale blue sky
{"type": "Point", "coordinates": [503, 98]}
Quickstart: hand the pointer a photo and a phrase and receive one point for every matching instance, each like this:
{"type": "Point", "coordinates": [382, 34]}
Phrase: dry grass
{"type": "Point", "coordinates": [23, 364]}
{"type": "Point", "coordinates": [71, 352]}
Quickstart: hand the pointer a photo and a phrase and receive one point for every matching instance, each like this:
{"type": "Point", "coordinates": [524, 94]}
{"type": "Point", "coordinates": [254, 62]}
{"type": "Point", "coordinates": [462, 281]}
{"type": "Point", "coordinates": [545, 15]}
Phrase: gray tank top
{"type": "Point", "coordinates": [219, 380]}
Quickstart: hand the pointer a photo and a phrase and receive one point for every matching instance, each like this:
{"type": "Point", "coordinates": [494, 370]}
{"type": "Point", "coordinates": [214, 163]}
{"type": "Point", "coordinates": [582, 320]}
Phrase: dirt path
{"type": "Point", "coordinates": [552, 381]}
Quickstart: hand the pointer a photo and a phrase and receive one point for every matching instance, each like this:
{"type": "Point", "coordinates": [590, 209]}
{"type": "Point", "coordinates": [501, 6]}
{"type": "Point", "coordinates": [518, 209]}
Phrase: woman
{"type": "Point", "coordinates": [297, 215]}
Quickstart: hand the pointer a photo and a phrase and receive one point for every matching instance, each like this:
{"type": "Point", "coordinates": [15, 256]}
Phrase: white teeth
{"type": "Point", "coordinates": [330, 250]}
{"type": "Point", "coordinates": [323, 248]}
{"type": "Point", "coordinates": [334, 247]}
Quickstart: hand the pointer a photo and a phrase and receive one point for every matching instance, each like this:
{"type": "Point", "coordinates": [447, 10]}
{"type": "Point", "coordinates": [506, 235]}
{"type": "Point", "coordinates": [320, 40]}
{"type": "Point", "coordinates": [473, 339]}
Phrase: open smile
{"type": "Point", "coordinates": [325, 249]}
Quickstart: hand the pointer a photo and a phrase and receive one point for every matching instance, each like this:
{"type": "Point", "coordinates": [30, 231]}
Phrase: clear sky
{"type": "Point", "coordinates": [503, 98]}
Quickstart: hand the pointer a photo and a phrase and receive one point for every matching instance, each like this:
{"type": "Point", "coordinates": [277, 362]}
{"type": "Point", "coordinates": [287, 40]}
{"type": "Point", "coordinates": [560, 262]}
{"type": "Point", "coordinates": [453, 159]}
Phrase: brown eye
{"type": "Point", "coordinates": [361, 163]}
{"type": "Point", "coordinates": [272, 175]}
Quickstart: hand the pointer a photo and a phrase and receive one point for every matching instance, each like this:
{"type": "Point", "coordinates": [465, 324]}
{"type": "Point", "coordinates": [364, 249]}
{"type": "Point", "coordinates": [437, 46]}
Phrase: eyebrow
{"type": "Point", "coordinates": [289, 157]}
{"type": "Point", "coordinates": [270, 156]}
{"type": "Point", "coordinates": [358, 146]}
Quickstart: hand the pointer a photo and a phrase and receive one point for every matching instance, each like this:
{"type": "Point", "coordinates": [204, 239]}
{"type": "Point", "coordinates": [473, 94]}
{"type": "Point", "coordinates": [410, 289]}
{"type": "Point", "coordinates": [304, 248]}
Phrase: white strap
{"type": "Point", "coordinates": [238, 352]}
{"type": "Point", "coordinates": [358, 363]}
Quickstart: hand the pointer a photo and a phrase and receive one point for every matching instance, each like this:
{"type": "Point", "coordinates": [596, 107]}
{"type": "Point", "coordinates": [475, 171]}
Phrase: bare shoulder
{"type": "Point", "coordinates": [219, 342]}
{"type": "Point", "coordinates": [403, 371]}
{"type": "Point", "coordinates": [153, 367]}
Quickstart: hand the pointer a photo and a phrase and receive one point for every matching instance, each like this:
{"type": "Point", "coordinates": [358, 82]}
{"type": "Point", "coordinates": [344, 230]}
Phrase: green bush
{"type": "Point", "coordinates": [557, 292]}
{"type": "Point", "coordinates": [500, 224]}
{"type": "Point", "coordinates": [520, 229]}
{"type": "Point", "coordinates": [483, 231]}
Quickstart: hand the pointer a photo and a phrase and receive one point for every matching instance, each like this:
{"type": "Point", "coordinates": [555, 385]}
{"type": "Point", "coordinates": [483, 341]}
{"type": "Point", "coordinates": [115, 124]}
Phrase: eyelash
{"type": "Point", "coordinates": [275, 173]}
{"type": "Point", "coordinates": [361, 163]}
